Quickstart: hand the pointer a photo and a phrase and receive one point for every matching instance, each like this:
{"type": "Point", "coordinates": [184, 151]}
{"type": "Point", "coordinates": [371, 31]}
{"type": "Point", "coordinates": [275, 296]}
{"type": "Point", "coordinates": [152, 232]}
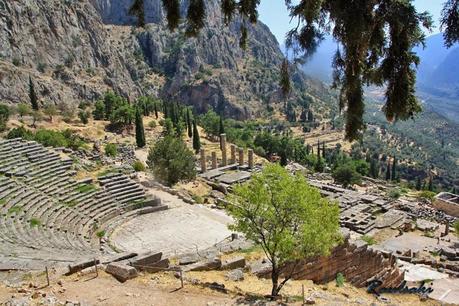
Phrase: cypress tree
{"type": "Point", "coordinates": [196, 139]}
{"type": "Point", "coordinates": [388, 171]}
{"type": "Point", "coordinates": [139, 130]}
{"type": "Point", "coordinates": [323, 149]}
{"type": "Point", "coordinates": [156, 110]}
{"type": "Point", "coordinates": [222, 127]}
{"type": "Point", "coordinates": [430, 186]}
{"type": "Point", "coordinates": [32, 95]}
{"type": "Point", "coordinates": [310, 116]}
{"type": "Point", "coordinates": [318, 149]}
{"type": "Point", "coordinates": [188, 123]}
{"type": "Point", "coordinates": [394, 169]}
{"type": "Point", "coordinates": [373, 168]}
{"type": "Point", "coordinates": [418, 183]}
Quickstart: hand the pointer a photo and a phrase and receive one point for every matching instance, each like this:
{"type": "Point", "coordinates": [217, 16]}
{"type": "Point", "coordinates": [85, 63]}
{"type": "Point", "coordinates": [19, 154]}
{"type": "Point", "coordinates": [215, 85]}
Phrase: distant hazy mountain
{"type": "Point", "coordinates": [437, 78]}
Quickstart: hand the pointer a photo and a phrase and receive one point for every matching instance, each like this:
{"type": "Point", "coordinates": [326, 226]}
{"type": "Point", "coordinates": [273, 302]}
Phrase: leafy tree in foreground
{"type": "Point", "coordinates": [171, 161]}
{"type": "Point", "coordinates": [285, 216]}
{"type": "Point", "coordinates": [139, 129]}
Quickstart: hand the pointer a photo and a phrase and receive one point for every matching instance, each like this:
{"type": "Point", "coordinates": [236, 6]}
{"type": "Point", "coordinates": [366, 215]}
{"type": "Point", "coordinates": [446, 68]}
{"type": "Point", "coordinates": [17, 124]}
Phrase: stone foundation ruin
{"type": "Point", "coordinates": [447, 202]}
{"type": "Point", "coordinates": [359, 264]}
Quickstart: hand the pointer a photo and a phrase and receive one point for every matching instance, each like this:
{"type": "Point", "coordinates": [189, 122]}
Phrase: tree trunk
{"type": "Point", "coordinates": [275, 281]}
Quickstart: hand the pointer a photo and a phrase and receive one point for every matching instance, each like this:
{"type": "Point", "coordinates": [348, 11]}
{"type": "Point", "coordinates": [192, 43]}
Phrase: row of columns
{"type": "Point", "coordinates": [232, 160]}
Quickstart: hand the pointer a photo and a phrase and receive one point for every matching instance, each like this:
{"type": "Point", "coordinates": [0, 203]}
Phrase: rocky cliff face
{"type": "Point", "coordinates": [75, 50]}
{"type": "Point", "coordinates": [64, 47]}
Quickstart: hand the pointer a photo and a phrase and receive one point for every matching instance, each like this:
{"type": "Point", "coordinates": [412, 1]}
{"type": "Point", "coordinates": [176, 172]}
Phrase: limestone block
{"type": "Point", "coordinates": [234, 263]}
{"type": "Point", "coordinates": [121, 271]}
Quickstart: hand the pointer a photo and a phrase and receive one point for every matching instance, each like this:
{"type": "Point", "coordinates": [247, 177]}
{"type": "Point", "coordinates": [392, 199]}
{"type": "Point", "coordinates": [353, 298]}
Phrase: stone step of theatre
{"type": "Point", "coordinates": [45, 209]}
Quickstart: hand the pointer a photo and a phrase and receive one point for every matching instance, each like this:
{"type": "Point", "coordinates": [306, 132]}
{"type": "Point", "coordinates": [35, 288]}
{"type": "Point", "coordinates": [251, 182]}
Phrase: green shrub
{"type": "Point", "coordinates": [111, 150]}
{"type": "Point", "coordinates": [100, 234]}
{"type": "Point", "coordinates": [426, 194]}
{"type": "Point", "coordinates": [35, 222]}
{"type": "Point", "coordinates": [4, 116]}
{"type": "Point", "coordinates": [50, 138]}
{"type": "Point", "coordinates": [340, 280]}
{"type": "Point", "coordinates": [369, 240]}
{"type": "Point", "coordinates": [394, 193]}
{"type": "Point", "coordinates": [197, 199]}
{"type": "Point", "coordinates": [14, 210]}
{"type": "Point", "coordinates": [84, 116]}
{"type": "Point", "coordinates": [16, 62]}
{"type": "Point", "coordinates": [138, 166]}
{"type": "Point", "coordinates": [85, 188]}
{"type": "Point", "coordinates": [20, 132]}
{"type": "Point", "coordinates": [152, 124]}
{"type": "Point", "coordinates": [41, 67]}
{"type": "Point", "coordinates": [456, 227]}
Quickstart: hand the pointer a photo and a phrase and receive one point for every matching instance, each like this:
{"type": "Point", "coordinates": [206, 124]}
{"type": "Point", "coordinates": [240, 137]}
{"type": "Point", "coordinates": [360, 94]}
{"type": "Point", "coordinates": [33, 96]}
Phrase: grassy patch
{"type": "Point", "coordinates": [72, 203]}
{"type": "Point", "coordinates": [14, 210]}
{"type": "Point", "coordinates": [85, 188]}
{"type": "Point", "coordinates": [369, 240]}
{"type": "Point", "coordinates": [106, 172]}
{"type": "Point", "coordinates": [100, 234]}
{"type": "Point", "coordinates": [2, 201]}
{"type": "Point", "coordinates": [34, 222]}
{"type": "Point", "coordinates": [197, 199]}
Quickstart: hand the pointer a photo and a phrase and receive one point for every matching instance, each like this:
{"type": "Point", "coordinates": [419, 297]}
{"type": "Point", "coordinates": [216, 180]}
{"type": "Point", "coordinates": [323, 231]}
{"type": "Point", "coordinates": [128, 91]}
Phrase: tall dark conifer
{"type": "Point", "coordinates": [388, 171]}
{"type": "Point", "coordinates": [394, 169]}
{"type": "Point", "coordinates": [196, 139]}
{"type": "Point", "coordinates": [139, 130]}
{"type": "Point", "coordinates": [221, 128]}
{"type": "Point", "coordinates": [32, 95]}
{"type": "Point", "coordinates": [189, 124]}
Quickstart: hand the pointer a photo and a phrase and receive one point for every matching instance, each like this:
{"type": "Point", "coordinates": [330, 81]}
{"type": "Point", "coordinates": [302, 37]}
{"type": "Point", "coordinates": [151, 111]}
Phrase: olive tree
{"type": "Point", "coordinates": [286, 216]}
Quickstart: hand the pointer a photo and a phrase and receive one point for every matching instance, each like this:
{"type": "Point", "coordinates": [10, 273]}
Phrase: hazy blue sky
{"type": "Point", "coordinates": [275, 15]}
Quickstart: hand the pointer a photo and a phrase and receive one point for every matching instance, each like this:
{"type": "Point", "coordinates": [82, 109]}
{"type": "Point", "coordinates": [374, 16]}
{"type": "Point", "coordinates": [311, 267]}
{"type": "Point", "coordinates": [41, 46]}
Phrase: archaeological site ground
{"type": "Point", "coordinates": [172, 152]}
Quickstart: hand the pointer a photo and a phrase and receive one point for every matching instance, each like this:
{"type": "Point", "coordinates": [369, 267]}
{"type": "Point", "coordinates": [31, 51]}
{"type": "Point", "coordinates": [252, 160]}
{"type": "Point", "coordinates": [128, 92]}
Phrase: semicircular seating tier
{"type": "Point", "coordinates": [44, 208]}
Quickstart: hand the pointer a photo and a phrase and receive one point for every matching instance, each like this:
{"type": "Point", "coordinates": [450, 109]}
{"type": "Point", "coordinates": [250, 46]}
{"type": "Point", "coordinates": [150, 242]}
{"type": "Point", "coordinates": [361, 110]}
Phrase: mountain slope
{"type": "Point", "coordinates": [64, 47]}
{"type": "Point", "coordinates": [76, 50]}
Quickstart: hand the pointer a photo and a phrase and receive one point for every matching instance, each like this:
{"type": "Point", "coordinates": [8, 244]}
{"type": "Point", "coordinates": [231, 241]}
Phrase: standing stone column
{"type": "Point", "coordinates": [241, 156]}
{"type": "Point", "coordinates": [250, 158]}
{"type": "Point", "coordinates": [233, 154]}
{"type": "Point", "coordinates": [203, 161]}
{"type": "Point", "coordinates": [214, 160]}
{"type": "Point", "coordinates": [223, 147]}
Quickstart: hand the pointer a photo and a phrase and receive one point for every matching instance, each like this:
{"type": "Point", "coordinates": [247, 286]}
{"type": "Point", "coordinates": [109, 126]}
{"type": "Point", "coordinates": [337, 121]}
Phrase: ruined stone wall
{"type": "Point", "coordinates": [358, 264]}
{"type": "Point", "coordinates": [447, 202]}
